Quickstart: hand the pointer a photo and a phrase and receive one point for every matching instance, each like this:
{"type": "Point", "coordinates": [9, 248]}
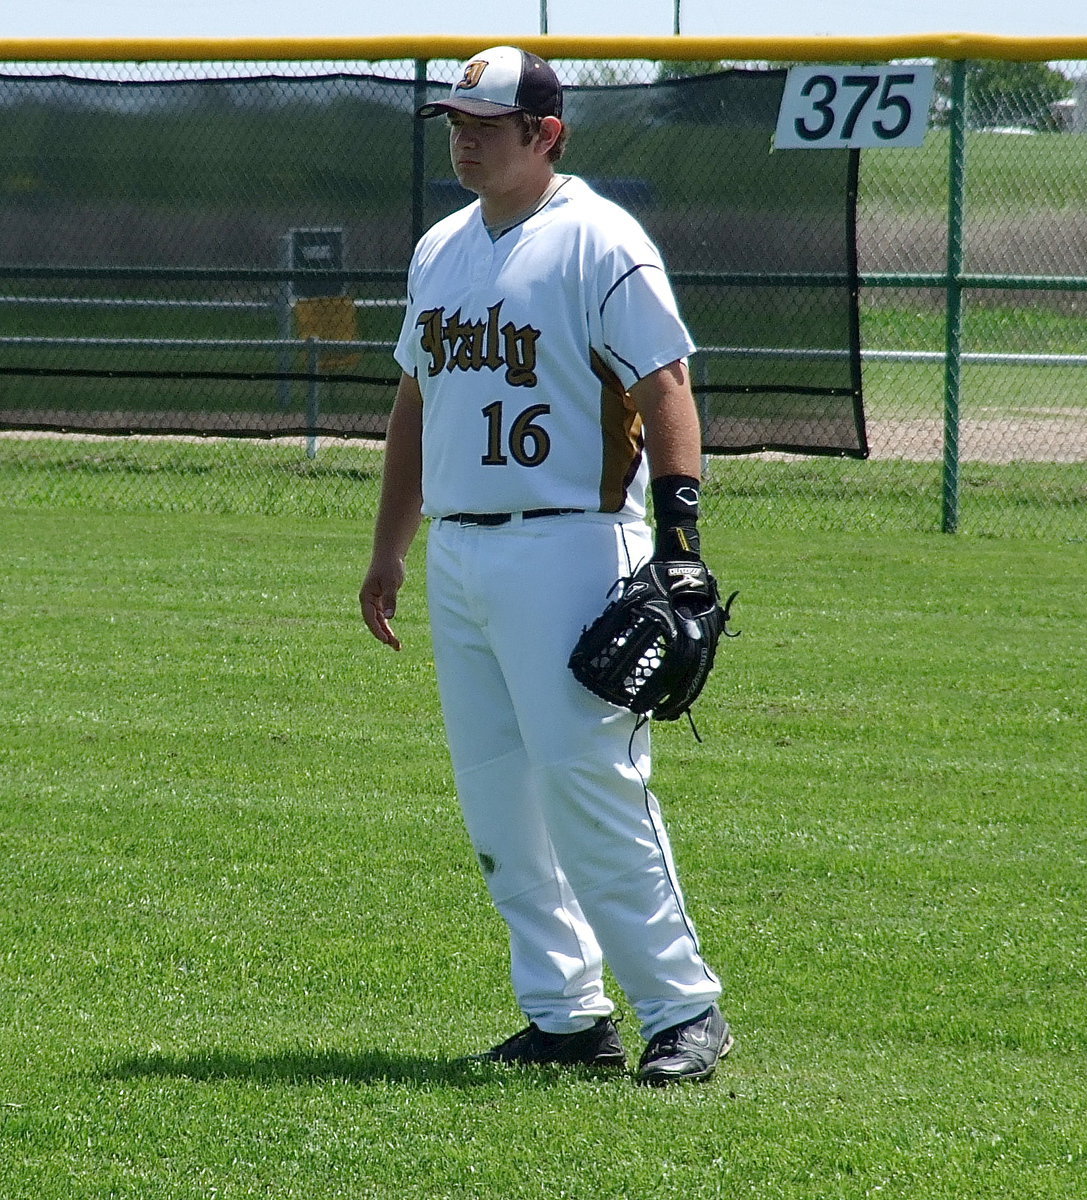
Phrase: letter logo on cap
{"type": "Point", "coordinates": [473, 72]}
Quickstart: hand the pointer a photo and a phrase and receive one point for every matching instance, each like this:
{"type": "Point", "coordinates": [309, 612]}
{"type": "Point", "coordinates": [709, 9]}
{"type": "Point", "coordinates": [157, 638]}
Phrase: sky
{"type": "Point", "coordinates": [503, 19]}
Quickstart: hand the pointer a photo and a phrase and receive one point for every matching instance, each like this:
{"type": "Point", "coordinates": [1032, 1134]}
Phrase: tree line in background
{"type": "Point", "coordinates": [1007, 94]}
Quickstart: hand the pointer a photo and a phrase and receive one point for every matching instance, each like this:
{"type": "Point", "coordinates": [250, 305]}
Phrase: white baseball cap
{"type": "Point", "coordinates": [499, 81]}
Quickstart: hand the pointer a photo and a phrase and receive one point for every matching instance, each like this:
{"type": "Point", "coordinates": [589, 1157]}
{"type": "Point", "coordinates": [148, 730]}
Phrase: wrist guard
{"type": "Point", "coordinates": [675, 513]}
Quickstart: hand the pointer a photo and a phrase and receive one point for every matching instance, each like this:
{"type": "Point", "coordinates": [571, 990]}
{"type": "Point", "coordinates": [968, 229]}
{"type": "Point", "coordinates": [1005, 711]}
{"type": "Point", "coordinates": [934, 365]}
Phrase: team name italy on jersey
{"type": "Point", "coordinates": [456, 344]}
{"type": "Point", "coordinates": [525, 348]}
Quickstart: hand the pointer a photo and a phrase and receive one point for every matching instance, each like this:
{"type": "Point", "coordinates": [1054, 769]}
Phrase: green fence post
{"type": "Point", "coordinates": [313, 396]}
{"type": "Point", "coordinates": [955, 256]}
{"type": "Point", "coordinates": [418, 155]}
{"type": "Point", "coordinates": [285, 325]}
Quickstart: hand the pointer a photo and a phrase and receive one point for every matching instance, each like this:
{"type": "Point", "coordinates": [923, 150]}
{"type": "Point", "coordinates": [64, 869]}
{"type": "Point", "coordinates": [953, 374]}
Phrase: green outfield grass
{"type": "Point", "coordinates": [994, 328]}
{"type": "Point", "coordinates": [246, 477]}
{"type": "Point", "coordinates": [242, 938]}
{"type": "Point", "coordinates": [1008, 175]}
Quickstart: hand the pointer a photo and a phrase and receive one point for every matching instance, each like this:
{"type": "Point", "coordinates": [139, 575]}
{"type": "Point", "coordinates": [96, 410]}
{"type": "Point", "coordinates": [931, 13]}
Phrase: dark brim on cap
{"type": "Point", "coordinates": [474, 108]}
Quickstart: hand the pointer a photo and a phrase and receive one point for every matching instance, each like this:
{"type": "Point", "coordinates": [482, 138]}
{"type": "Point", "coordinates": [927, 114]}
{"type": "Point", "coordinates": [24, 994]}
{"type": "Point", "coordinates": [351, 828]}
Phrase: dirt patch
{"type": "Point", "coordinates": [1054, 439]}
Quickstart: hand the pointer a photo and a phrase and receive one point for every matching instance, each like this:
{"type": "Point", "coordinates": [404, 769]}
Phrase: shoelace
{"type": "Point", "coordinates": [667, 1042]}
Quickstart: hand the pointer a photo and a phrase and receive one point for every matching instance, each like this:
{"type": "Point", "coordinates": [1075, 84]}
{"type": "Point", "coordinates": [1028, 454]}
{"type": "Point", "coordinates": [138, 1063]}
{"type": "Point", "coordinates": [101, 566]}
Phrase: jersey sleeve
{"type": "Point", "coordinates": [640, 328]}
{"type": "Point", "coordinates": [407, 343]}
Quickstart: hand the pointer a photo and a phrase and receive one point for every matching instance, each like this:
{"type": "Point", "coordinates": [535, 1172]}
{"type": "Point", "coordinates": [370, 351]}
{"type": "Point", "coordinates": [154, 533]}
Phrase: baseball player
{"type": "Point", "coordinates": [544, 381]}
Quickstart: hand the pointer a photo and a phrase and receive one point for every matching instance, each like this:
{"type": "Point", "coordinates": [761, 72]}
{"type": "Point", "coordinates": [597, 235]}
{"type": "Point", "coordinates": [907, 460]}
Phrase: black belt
{"type": "Point", "coordinates": [505, 518]}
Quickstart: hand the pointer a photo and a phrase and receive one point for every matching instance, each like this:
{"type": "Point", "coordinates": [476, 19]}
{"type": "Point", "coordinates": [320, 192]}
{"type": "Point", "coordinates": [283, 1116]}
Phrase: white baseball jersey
{"type": "Point", "coordinates": [525, 347]}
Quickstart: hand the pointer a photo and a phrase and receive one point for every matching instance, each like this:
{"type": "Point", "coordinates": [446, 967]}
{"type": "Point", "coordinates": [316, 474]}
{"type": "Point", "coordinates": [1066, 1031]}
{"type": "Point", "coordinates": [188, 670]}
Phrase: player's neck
{"type": "Point", "coordinates": [502, 209]}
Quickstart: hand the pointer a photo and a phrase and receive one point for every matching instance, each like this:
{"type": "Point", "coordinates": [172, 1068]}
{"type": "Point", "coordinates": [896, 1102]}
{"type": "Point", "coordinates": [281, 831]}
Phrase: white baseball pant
{"type": "Point", "coordinates": [552, 780]}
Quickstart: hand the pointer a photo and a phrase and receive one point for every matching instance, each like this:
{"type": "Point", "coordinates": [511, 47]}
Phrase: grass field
{"type": "Point", "coordinates": [275, 478]}
{"type": "Point", "coordinates": [243, 939]}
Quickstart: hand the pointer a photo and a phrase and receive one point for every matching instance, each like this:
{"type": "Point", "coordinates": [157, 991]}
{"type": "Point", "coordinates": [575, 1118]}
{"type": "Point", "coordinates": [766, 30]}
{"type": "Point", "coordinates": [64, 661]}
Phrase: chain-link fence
{"type": "Point", "coordinates": [240, 248]}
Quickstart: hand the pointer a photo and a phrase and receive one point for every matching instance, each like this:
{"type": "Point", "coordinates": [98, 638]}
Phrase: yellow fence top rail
{"type": "Point", "coordinates": [377, 49]}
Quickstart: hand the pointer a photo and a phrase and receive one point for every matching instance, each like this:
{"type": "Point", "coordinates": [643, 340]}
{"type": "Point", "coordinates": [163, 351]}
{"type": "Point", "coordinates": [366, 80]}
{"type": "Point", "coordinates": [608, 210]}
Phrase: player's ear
{"type": "Point", "coordinates": [550, 130]}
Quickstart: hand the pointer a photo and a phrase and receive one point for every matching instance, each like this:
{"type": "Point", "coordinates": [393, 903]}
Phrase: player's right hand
{"type": "Point", "coordinates": [377, 596]}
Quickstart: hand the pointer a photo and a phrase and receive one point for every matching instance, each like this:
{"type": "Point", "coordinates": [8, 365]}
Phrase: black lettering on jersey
{"type": "Point", "coordinates": [456, 344]}
{"type": "Point", "coordinates": [520, 345]}
{"type": "Point", "coordinates": [431, 341]}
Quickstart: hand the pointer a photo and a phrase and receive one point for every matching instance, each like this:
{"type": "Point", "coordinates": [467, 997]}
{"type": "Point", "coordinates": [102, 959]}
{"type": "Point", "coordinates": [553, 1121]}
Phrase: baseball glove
{"type": "Point", "coordinates": [652, 649]}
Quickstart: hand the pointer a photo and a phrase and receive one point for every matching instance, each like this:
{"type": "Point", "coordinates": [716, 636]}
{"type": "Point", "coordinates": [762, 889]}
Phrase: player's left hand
{"type": "Point", "coordinates": [652, 650]}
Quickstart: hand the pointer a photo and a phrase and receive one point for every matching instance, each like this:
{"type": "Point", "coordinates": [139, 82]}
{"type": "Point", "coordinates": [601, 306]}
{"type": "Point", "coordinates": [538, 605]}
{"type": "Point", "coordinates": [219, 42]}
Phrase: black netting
{"type": "Point", "coordinates": [227, 256]}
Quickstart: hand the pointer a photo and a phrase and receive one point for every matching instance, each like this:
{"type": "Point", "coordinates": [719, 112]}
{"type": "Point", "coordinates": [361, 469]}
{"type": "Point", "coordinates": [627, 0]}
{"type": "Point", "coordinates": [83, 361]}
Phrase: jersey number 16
{"type": "Point", "coordinates": [528, 442]}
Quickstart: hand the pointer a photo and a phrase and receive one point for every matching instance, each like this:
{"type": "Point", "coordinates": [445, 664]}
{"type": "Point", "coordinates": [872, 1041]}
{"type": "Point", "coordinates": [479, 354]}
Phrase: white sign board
{"type": "Point", "coordinates": [836, 107]}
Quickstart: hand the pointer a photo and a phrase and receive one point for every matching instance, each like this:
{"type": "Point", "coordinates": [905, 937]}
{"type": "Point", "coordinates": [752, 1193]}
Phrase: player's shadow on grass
{"type": "Point", "coordinates": [301, 1067]}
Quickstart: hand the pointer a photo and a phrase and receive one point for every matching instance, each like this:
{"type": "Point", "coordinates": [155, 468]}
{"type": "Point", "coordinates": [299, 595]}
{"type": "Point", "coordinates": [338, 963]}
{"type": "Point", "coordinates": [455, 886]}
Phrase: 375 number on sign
{"type": "Point", "coordinates": [833, 108]}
